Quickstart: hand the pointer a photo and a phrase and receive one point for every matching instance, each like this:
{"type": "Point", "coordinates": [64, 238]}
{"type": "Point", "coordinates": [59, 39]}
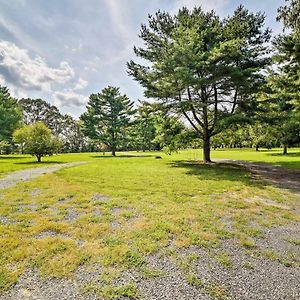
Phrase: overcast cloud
{"type": "Point", "coordinates": [64, 50]}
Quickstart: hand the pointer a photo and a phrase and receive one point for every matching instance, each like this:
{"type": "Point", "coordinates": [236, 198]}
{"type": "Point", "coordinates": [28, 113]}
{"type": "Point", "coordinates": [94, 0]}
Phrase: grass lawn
{"type": "Point", "coordinates": [116, 212]}
{"type": "Point", "coordinates": [10, 163]}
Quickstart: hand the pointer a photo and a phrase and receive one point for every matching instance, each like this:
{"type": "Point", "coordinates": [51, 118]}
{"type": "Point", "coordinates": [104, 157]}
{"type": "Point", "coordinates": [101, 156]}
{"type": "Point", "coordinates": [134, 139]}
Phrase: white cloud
{"type": "Point", "coordinates": [16, 30]}
{"type": "Point", "coordinates": [2, 80]}
{"type": "Point", "coordinates": [14, 92]}
{"type": "Point", "coordinates": [31, 73]}
{"type": "Point", "coordinates": [80, 84]}
{"type": "Point", "coordinates": [69, 98]}
{"type": "Point", "coordinates": [120, 18]}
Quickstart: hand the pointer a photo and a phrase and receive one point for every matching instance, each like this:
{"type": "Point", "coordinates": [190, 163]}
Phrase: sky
{"type": "Point", "coordinates": [64, 50]}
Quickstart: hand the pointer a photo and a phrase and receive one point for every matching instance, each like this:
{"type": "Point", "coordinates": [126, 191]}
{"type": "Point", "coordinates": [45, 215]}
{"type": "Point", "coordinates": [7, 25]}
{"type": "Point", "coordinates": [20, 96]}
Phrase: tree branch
{"type": "Point", "coordinates": [234, 102]}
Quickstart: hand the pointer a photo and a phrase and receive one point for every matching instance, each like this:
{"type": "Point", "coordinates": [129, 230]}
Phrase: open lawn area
{"type": "Point", "coordinates": [137, 227]}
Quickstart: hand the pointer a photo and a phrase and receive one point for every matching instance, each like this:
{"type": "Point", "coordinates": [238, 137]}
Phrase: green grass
{"type": "Point", "coordinates": [10, 163]}
{"type": "Point", "coordinates": [127, 208]}
{"type": "Point", "coordinates": [275, 156]}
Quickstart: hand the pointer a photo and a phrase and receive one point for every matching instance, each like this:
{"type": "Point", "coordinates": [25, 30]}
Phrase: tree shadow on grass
{"type": "Point", "coordinates": [11, 157]}
{"type": "Point", "coordinates": [42, 163]}
{"type": "Point", "coordinates": [291, 154]}
{"type": "Point", "coordinates": [220, 171]}
{"type": "Point", "coordinates": [122, 156]}
{"type": "Point", "coordinates": [293, 165]}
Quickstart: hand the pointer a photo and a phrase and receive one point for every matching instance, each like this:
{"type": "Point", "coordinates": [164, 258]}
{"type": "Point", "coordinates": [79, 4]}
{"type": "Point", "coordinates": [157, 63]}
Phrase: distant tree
{"type": "Point", "coordinates": [5, 147]}
{"type": "Point", "coordinates": [108, 113]}
{"type": "Point", "coordinates": [204, 68]}
{"type": "Point", "coordinates": [35, 110]}
{"type": "Point", "coordinates": [282, 97]}
{"type": "Point", "coordinates": [37, 140]}
{"type": "Point", "coordinates": [169, 132]}
{"type": "Point", "coordinates": [10, 115]}
{"type": "Point", "coordinates": [261, 135]}
{"type": "Point", "coordinates": [62, 126]}
{"type": "Point", "coordinates": [71, 135]}
{"type": "Point", "coordinates": [145, 126]}
{"type": "Point", "coordinates": [290, 15]}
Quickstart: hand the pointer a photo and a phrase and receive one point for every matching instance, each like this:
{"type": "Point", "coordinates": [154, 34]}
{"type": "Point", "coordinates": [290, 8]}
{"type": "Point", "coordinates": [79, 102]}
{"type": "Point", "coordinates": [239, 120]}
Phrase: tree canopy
{"type": "Point", "coordinates": [37, 140]}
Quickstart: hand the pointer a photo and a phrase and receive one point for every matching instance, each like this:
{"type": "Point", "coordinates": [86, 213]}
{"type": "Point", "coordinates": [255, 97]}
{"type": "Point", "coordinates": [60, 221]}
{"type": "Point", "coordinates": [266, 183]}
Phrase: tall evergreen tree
{"type": "Point", "coordinates": [282, 95]}
{"type": "Point", "coordinates": [204, 68]}
{"type": "Point", "coordinates": [145, 126]}
{"type": "Point", "coordinates": [108, 113]}
{"type": "Point", "coordinates": [288, 56]}
{"type": "Point", "coordinates": [10, 115]}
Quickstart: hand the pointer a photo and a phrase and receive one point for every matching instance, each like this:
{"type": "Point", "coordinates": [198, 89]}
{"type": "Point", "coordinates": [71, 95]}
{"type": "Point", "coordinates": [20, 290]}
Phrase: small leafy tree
{"type": "Point", "coordinates": [37, 140]}
{"type": "Point", "coordinates": [108, 113]}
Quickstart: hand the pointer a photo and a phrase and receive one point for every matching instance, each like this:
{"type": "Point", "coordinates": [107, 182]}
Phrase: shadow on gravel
{"type": "Point", "coordinates": [219, 171]}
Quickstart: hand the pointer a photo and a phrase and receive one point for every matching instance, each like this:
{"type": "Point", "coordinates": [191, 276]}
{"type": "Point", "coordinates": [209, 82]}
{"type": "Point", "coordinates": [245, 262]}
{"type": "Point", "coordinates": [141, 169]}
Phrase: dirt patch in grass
{"type": "Point", "coordinates": [279, 176]}
{"type": "Point", "coordinates": [100, 198]}
{"type": "Point", "coordinates": [266, 201]}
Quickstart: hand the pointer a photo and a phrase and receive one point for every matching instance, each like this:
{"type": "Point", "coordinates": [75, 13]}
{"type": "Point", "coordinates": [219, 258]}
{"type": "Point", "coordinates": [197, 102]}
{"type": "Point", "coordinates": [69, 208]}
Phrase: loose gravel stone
{"type": "Point", "coordinates": [100, 197]}
{"type": "Point", "coordinates": [32, 287]}
{"type": "Point", "coordinates": [7, 221]}
{"type": "Point", "coordinates": [71, 215]}
{"type": "Point", "coordinates": [50, 233]}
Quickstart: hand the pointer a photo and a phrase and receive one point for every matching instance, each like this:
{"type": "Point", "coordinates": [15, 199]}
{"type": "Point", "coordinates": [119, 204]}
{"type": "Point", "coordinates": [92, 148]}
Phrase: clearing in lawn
{"type": "Point", "coordinates": [142, 228]}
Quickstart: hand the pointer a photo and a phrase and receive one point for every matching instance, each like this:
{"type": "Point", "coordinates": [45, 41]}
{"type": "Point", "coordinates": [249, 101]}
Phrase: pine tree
{"type": "Point", "coordinates": [204, 68]}
{"type": "Point", "coordinates": [108, 114]}
{"type": "Point", "coordinates": [10, 115]}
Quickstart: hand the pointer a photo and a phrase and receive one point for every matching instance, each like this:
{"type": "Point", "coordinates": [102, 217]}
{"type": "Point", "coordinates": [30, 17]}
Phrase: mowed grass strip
{"type": "Point", "coordinates": [117, 211]}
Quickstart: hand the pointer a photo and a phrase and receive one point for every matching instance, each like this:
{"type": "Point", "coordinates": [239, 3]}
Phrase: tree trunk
{"type": "Point", "coordinates": [39, 158]}
{"type": "Point", "coordinates": [256, 148]}
{"type": "Point", "coordinates": [113, 144]}
{"type": "Point", "coordinates": [206, 149]}
{"type": "Point", "coordinates": [113, 151]}
{"type": "Point", "coordinates": [285, 149]}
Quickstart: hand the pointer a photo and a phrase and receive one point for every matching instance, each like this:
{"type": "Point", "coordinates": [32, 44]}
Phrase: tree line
{"type": "Point", "coordinates": [110, 123]}
{"type": "Point", "coordinates": [213, 83]}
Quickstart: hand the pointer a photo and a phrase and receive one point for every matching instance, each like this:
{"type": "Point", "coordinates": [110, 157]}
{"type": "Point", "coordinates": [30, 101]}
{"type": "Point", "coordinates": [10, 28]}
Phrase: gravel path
{"type": "Point", "coordinates": [279, 176]}
{"type": "Point", "coordinates": [25, 175]}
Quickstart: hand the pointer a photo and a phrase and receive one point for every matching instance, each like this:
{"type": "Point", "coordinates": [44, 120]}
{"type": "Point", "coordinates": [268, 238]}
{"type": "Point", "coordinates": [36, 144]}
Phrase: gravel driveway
{"type": "Point", "coordinates": [14, 178]}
